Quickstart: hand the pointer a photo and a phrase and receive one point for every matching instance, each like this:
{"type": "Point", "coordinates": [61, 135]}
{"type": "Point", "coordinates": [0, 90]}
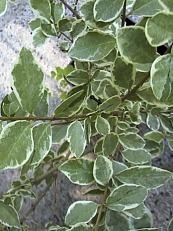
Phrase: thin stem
{"type": "Point", "coordinates": [71, 40]}
{"type": "Point", "coordinates": [76, 3]}
{"type": "Point", "coordinates": [102, 205]}
{"type": "Point", "coordinates": [124, 14]}
{"type": "Point", "coordinates": [71, 9]}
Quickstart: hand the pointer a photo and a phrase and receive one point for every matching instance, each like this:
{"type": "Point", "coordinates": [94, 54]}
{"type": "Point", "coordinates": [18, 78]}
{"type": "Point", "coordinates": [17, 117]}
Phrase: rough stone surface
{"type": "Point", "coordinates": [14, 34]}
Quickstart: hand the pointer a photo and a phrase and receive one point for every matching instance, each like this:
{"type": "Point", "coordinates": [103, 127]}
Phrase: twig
{"type": "Point", "coordinates": [71, 9]}
{"type": "Point", "coordinates": [76, 3]}
{"type": "Point", "coordinates": [124, 14]}
{"type": "Point", "coordinates": [71, 40]}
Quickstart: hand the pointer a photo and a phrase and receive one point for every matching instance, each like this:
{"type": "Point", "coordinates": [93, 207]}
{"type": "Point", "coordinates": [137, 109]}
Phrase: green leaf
{"type": "Point", "coordinates": [48, 29]}
{"type": "Point", "coordinates": [98, 149]}
{"type": "Point", "coordinates": [93, 46]}
{"type": "Point", "coordinates": [147, 176]}
{"type": "Point", "coordinates": [108, 13]}
{"type": "Point", "coordinates": [115, 219]}
{"type": "Point", "coordinates": [71, 105]}
{"type": "Point", "coordinates": [131, 141]}
{"type": "Point", "coordinates": [35, 23]}
{"type": "Point", "coordinates": [78, 77]}
{"type": "Point", "coordinates": [42, 108]}
{"type": "Point", "coordinates": [170, 226]}
{"type": "Point", "coordinates": [59, 11]}
{"type": "Point", "coordinates": [161, 76]}
{"type": "Point", "coordinates": [110, 143]}
{"type": "Point", "coordinates": [166, 4]}
{"type": "Point", "coordinates": [43, 8]}
{"type": "Point", "coordinates": [76, 138]}
{"type": "Point", "coordinates": [16, 144]}
{"type": "Point", "coordinates": [137, 212]}
{"type": "Point", "coordinates": [64, 148]}
{"type": "Point", "coordinates": [140, 156]}
{"type": "Point", "coordinates": [103, 170]}
{"type": "Point", "coordinates": [59, 133]}
{"type": "Point", "coordinates": [155, 136]}
{"type": "Point", "coordinates": [3, 7]}
{"type": "Point", "coordinates": [9, 216]}
{"type": "Point", "coordinates": [1, 126]}
{"type": "Point", "coordinates": [42, 135]}
{"type": "Point", "coordinates": [145, 222]}
{"type": "Point", "coordinates": [77, 28]}
{"type": "Point", "coordinates": [102, 126]}
{"type": "Point", "coordinates": [126, 197]}
{"type": "Point", "coordinates": [118, 167]}
{"type": "Point", "coordinates": [146, 8]}
{"type": "Point", "coordinates": [78, 171]}
{"type": "Point", "coordinates": [159, 29]}
{"type": "Point", "coordinates": [82, 227]}
{"type": "Point", "coordinates": [166, 123]}
{"type": "Point", "coordinates": [123, 73]}
{"type": "Point", "coordinates": [39, 38]}
{"type": "Point", "coordinates": [152, 122]}
{"type": "Point", "coordinates": [28, 81]}
{"type": "Point", "coordinates": [129, 48]}
{"type": "Point", "coordinates": [80, 211]}
{"type": "Point", "coordinates": [111, 104]}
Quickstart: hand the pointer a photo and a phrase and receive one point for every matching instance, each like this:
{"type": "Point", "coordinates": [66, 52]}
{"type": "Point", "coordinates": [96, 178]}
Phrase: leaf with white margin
{"type": "Point", "coordinates": [146, 8]}
{"type": "Point", "coordinates": [162, 76]}
{"type": "Point", "coordinates": [103, 170]}
{"type": "Point", "coordinates": [167, 5]}
{"type": "Point", "coordinates": [110, 104]}
{"type": "Point", "coordinates": [16, 144]}
{"type": "Point", "coordinates": [110, 143]}
{"type": "Point", "coordinates": [93, 46]}
{"type": "Point", "coordinates": [147, 176]}
{"type": "Point", "coordinates": [3, 7]}
{"type": "Point", "coordinates": [28, 81]}
{"type": "Point", "coordinates": [159, 29]}
{"type": "Point", "coordinates": [131, 141]}
{"type": "Point", "coordinates": [78, 171]}
{"type": "Point", "coordinates": [38, 37]}
{"type": "Point", "coordinates": [76, 138]}
{"type": "Point", "coordinates": [8, 216]}
{"type": "Point", "coordinates": [59, 133]}
{"type": "Point", "coordinates": [102, 126]}
{"type": "Point", "coordinates": [137, 212]}
{"type": "Point", "coordinates": [136, 49]}
{"type": "Point", "coordinates": [81, 226]}
{"type": "Point", "coordinates": [81, 211]}
{"type": "Point", "coordinates": [105, 12]}
{"type": "Point", "coordinates": [126, 197]}
{"type": "Point", "coordinates": [43, 8]}
{"type": "Point", "coordinates": [42, 135]}
{"type": "Point", "coordinates": [140, 156]}
{"type": "Point", "coordinates": [155, 136]}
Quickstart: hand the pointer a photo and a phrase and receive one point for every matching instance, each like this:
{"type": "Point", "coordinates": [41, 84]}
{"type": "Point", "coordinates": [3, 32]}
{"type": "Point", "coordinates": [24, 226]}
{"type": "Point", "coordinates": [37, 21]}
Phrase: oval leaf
{"type": "Point", "coordinates": [92, 46]}
{"type": "Point", "coordinates": [3, 7]}
{"type": "Point", "coordinates": [28, 81]}
{"type": "Point", "coordinates": [140, 156]}
{"type": "Point", "coordinates": [43, 8]}
{"type": "Point", "coordinates": [59, 133]}
{"type": "Point", "coordinates": [147, 176]}
{"type": "Point", "coordinates": [130, 49]}
{"type": "Point", "coordinates": [8, 216]}
{"type": "Point", "coordinates": [159, 29]}
{"type": "Point", "coordinates": [103, 170]}
{"type": "Point", "coordinates": [76, 138]}
{"type": "Point", "coordinates": [110, 104]}
{"type": "Point", "coordinates": [80, 211]}
{"type": "Point", "coordinates": [102, 126]}
{"type": "Point", "coordinates": [126, 197]}
{"type": "Point", "coordinates": [16, 144]}
{"type": "Point", "coordinates": [131, 141]}
{"type": "Point", "coordinates": [78, 171]}
{"type": "Point", "coordinates": [110, 143]}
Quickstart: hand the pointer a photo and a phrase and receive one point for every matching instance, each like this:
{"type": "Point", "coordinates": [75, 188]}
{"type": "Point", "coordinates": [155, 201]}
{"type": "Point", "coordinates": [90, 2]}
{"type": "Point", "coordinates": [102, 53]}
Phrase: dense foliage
{"type": "Point", "coordinates": [121, 77]}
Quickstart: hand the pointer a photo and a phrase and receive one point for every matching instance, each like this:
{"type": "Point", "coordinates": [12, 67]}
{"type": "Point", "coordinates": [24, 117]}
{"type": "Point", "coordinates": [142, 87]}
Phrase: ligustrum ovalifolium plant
{"type": "Point", "coordinates": [121, 77]}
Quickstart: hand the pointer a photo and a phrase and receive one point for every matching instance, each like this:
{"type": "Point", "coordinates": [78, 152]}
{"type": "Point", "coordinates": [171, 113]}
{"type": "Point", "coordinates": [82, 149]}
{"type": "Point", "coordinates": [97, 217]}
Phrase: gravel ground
{"type": "Point", "coordinates": [14, 34]}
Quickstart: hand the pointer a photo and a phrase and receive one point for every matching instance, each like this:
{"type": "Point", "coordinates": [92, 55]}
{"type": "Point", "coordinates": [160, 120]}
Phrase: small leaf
{"type": "Point", "coordinates": [161, 76]}
{"type": "Point", "coordinates": [111, 104]}
{"type": "Point", "coordinates": [126, 197]}
{"type": "Point", "coordinates": [137, 212]}
{"type": "Point", "coordinates": [80, 211]}
{"type": "Point", "coordinates": [147, 176]}
{"type": "Point", "coordinates": [159, 29]}
{"type": "Point", "coordinates": [118, 167]}
{"type": "Point", "coordinates": [152, 122]}
{"type": "Point", "coordinates": [16, 144]}
{"type": "Point", "coordinates": [71, 105]}
{"type": "Point", "coordinates": [78, 77]}
{"type": "Point", "coordinates": [109, 13]}
{"type": "Point", "coordinates": [76, 138]}
{"type": "Point", "coordinates": [131, 141]}
{"type": "Point", "coordinates": [155, 136]}
{"type": "Point", "coordinates": [170, 226]}
{"type": "Point", "coordinates": [42, 135]}
{"type": "Point", "coordinates": [82, 227]}
{"type": "Point", "coordinates": [28, 81]}
{"type": "Point", "coordinates": [59, 11]}
{"type": "Point", "coordinates": [110, 143]}
{"type": "Point", "coordinates": [78, 171]}
{"type": "Point", "coordinates": [167, 5]}
{"type": "Point", "coordinates": [145, 222]}
{"type": "Point", "coordinates": [39, 38]}
{"type": "Point", "coordinates": [103, 170]}
{"type": "Point", "coordinates": [102, 126]}
{"type": "Point", "coordinates": [59, 133]}
{"type": "Point", "coordinates": [35, 23]}
{"type": "Point", "coordinates": [42, 108]}
{"type": "Point", "coordinates": [140, 156]}
{"type": "Point", "coordinates": [130, 50]}
{"type": "Point", "coordinates": [9, 216]}
{"type": "Point", "coordinates": [43, 8]}
{"type": "Point", "coordinates": [3, 7]}
{"type": "Point", "coordinates": [118, 220]}
{"type": "Point", "coordinates": [92, 46]}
